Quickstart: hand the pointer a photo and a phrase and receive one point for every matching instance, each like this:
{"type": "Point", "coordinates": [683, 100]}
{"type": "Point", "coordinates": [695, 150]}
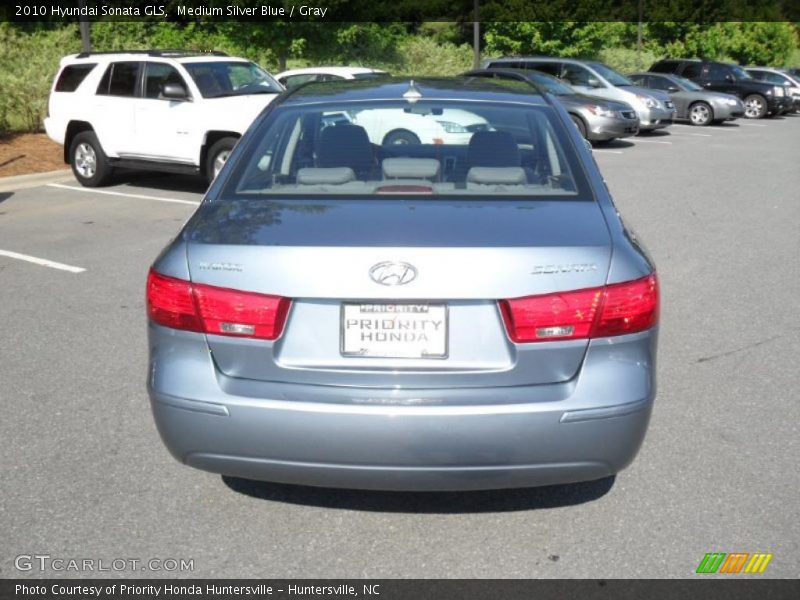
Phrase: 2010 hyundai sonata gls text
{"type": "Point", "coordinates": [443, 316]}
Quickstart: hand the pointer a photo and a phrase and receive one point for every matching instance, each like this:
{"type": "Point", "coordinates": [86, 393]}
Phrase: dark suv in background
{"type": "Point", "coordinates": [760, 99]}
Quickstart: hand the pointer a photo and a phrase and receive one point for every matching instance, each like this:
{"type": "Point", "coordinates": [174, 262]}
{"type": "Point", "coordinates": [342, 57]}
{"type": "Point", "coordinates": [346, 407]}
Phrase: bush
{"type": "Point", "coordinates": [626, 60]}
{"type": "Point", "coordinates": [30, 62]}
{"type": "Point", "coordinates": [794, 59]}
{"type": "Point", "coordinates": [419, 55]}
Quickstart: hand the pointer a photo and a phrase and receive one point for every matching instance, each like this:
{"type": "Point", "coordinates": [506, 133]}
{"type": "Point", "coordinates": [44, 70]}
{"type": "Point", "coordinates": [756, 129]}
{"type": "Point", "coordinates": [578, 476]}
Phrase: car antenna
{"type": "Point", "coordinates": [412, 94]}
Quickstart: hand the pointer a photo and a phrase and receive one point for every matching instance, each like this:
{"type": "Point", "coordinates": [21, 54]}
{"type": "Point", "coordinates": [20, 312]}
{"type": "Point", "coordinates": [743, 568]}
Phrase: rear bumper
{"type": "Point", "coordinates": [437, 439]}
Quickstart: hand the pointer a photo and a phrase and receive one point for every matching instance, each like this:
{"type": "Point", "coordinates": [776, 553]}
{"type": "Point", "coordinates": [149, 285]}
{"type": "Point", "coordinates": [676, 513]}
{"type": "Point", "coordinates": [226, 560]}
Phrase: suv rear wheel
{"type": "Point", "coordinates": [88, 161]}
{"type": "Point", "coordinates": [218, 155]}
{"type": "Point", "coordinates": [755, 106]}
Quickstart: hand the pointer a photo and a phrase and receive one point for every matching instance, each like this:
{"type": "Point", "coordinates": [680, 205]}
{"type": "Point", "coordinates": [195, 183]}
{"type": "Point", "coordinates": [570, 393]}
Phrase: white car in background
{"type": "Point", "coordinates": [420, 126]}
{"type": "Point", "coordinates": [159, 110]}
{"type": "Point", "coordinates": [295, 77]}
{"type": "Point", "coordinates": [386, 127]}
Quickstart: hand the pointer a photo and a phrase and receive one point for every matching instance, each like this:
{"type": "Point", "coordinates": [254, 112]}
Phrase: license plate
{"type": "Point", "coordinates": [394, 330]}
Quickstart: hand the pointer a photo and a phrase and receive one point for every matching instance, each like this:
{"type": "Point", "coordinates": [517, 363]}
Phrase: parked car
{"type": "Point", "coordinates": [760, 99]}
{"type": "Point", "coordinates": [790, 83]}
{"type": "Point", "coordinates": [598, 119]}
{"type": "Point", "coordinates": [160, 110]}
{"type": "Point", "coordinates": [655, 109]}
{"type": "Point", "coordinates": [419, 126]}
{"type": "Point", "coordinates": [296, 77]}
{"type": "Point", "coordinates": [693, 103]}
{"type": "Point", "coordinates": [405, 317]}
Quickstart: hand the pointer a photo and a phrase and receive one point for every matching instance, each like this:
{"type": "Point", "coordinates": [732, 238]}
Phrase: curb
{"type": "Point", "coordinates": [21, 182]}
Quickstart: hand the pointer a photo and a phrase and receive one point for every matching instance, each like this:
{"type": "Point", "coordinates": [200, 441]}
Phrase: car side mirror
{"type": "Point", "coordinates": [594, 82]}
{"type": "Point", "coordinates": [729, 78]}
{"type": "Point", "coordinates": [673, 88]}
{"type": "Point", "coordinates": [174, 91]}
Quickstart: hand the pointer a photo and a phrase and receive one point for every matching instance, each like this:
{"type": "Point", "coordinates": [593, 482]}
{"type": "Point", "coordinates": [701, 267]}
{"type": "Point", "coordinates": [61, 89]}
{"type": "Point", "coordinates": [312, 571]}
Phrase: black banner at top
{"type": "Point", "coordinates": [697, 11]}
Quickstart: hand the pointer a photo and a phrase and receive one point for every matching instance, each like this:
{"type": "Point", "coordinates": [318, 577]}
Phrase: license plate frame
{"type": "Point", "coordinates": [442, 344]}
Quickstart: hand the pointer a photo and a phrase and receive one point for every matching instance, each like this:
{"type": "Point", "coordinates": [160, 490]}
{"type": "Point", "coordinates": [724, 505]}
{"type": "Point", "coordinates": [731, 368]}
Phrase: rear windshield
{"type": "Point", "coordinates": [688, 83]}
{"type": "Point", "coordinates": [552, 84]}
{"type": "Point", "coordinates": [401, 148]}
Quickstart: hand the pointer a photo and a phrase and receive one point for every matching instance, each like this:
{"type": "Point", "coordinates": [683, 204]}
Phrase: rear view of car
{"type": "Point", "coordinates": [433, 316]}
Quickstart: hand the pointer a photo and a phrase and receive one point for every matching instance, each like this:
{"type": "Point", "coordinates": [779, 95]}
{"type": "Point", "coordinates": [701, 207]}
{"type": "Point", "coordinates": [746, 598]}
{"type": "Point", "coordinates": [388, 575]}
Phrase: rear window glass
{"type": "Point", "coordinates": [400, 148]}
{"type": "Point", "coordinates": [72, 76]}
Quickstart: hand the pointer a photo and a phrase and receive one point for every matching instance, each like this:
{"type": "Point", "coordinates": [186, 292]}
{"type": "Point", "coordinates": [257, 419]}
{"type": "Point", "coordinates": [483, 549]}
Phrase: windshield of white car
{"type": "Point", "coordinates": [611, 75]}
{"type": "Point", "coordinates": [398, 148]}
{"type": "Point", "coordinates": [220, 79]}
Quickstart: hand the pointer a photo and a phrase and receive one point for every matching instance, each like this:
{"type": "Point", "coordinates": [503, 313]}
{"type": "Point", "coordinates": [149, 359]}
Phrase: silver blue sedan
{"type": "Point", "coordinates": [347, 313]}
{"type": "Point", "coordinates": [693, 103]}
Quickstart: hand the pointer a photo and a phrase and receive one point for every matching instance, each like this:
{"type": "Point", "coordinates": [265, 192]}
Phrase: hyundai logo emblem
{"type": "Point", "coordinates": [392, 273]}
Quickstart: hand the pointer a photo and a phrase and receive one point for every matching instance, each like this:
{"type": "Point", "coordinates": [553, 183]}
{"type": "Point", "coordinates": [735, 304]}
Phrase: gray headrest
{"type": "Point", "coordinates": [331, 176]}
{"type": "Point", "coordinates": [497, 175]}
{"type": "Point", "coordinates": [410, 168]}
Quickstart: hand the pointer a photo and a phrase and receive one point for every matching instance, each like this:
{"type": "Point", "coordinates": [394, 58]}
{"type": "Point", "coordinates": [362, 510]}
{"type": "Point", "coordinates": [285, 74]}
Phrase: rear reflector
{"type": "Point", "coordinates": [209, 309]}
{"type": "Point", "coordinates": [595, 312]}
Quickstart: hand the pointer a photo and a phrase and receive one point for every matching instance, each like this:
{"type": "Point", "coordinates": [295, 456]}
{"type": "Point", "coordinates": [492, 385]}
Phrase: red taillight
{"type": "Point", "coordinates": [197, 307]}
{"type": "Point", "coordinates": [170, 302]}
{"type": "Point", "coordinates": [596, 312]}
{"type": "Point", "coordinates": [628, 307]}
{"type": "Point", "coordinates": [231, 312]}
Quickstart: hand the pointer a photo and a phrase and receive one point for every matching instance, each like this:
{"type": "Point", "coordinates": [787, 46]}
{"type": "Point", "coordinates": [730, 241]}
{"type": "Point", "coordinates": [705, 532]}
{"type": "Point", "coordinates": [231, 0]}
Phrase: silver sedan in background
{"type": "Point", "coordinates": [598, 119]}
{"type": "Point", "coordinates": [693, 103]}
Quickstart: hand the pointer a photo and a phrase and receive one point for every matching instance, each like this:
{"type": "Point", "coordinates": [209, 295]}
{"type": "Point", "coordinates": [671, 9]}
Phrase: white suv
{"type": "Point", "coordinates": [156, 109]}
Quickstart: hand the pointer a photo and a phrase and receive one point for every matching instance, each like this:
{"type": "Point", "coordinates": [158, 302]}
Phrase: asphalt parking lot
{"type": "Point", "coordinates": [85, 474]}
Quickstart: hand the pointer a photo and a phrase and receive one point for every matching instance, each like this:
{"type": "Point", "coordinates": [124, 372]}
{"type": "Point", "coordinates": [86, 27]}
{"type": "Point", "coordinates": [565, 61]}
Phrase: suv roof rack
{"type": "Point", "coordinates": [164, 52]}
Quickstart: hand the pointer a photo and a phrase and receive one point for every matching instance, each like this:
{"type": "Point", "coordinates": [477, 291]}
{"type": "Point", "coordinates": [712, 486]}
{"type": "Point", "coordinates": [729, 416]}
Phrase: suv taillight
{"type": "Point", "coordinates": [590, 313]}
{"type": "Point", "coordinates": [209, 309]}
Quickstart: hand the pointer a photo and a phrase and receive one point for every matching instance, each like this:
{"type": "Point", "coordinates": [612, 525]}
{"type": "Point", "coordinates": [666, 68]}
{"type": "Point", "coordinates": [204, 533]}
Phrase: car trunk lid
{"type": "Point", "coordinates": [466, 255]}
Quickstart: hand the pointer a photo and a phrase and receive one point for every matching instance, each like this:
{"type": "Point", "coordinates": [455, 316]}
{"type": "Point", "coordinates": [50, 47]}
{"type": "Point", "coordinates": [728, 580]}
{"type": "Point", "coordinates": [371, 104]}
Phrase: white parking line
{"type": "Point", "coordinates": [687, 133]}
{"type": "Point", "coordinates": [61, 186]}
{"type": "Point", "coordinates": [608, 151]}
{"type": "Point", "coordinates": [714, 129]}
{"type": "Point", "coordinates": [751, 125]}
{"type": "Point", "coordinates": [42, 261]}
{"type": "Point", "coordinates": [651, 142]}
